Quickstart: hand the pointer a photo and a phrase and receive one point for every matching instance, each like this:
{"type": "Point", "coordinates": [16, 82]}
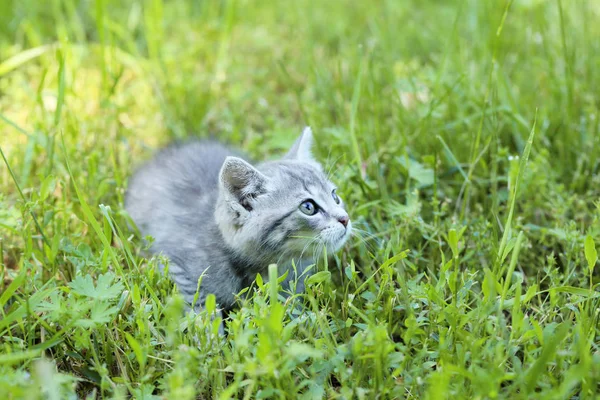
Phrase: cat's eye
{"type": "Point", "coordinates": [309, 207]}
{"type": "Point", "coordinates": [336, 198]}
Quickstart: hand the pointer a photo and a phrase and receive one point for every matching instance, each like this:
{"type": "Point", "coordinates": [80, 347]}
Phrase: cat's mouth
{"type": "Point", "coordinates": [335, 238]}
{"type": "Point", "coordinates": [332, 238]}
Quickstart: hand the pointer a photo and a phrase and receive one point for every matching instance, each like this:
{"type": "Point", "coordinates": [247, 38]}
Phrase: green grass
{"type": "Point", "coordinates": [464, 136]}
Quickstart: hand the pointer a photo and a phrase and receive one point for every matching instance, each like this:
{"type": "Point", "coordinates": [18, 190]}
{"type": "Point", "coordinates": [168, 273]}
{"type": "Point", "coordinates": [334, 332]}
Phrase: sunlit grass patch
{"type": "Point", "coordinates": [467, 155]}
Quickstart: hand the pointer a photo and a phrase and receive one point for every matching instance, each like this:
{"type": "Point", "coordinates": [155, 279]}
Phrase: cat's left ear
{"type": "Point", "coordinates": [241, 181]}
{"type": "Point", "coordinates": [301, 150]}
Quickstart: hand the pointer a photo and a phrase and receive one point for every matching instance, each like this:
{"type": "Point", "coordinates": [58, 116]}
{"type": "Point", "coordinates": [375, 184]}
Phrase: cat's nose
{"type": "Point", "coordinates": [344, 220]}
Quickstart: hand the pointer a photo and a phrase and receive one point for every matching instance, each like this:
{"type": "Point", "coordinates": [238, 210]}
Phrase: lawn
{"type": "Point", "coordinates": [463, 134]}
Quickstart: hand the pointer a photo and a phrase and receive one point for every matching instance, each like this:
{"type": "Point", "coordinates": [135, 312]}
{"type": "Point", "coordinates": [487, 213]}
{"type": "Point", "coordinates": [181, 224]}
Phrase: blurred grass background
{"type": "Point", "coordinates": [423, 109]}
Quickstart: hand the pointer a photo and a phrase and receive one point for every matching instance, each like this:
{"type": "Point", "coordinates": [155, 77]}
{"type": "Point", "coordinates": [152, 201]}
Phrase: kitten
{"type": "Point", "coordinates": [212, 213]}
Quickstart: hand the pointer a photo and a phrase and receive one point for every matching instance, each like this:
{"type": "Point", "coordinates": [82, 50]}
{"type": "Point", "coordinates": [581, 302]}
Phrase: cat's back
{"type": "Point", "coordinates": [175, 181]}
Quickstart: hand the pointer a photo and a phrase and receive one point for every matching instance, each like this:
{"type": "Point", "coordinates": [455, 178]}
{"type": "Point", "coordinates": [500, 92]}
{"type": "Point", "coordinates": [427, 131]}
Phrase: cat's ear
{"type": "Point", "coordinates": [301, 149]}
{"type": "Point", "coordinates": [241, 181]}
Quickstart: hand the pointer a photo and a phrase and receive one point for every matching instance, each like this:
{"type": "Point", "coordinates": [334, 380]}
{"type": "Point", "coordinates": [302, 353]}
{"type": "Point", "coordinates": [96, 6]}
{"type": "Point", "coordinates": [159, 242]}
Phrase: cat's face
{"type": "Point", "coordinates": [284, 209]}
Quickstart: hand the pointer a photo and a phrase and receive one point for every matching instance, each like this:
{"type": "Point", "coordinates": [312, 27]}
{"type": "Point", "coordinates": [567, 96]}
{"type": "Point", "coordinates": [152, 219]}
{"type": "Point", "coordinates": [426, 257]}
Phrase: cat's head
{"type": "Point", "coordinates": [281, 209]}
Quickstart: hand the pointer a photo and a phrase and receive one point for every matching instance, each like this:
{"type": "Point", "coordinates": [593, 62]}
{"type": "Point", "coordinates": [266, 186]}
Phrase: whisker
{"type": "Point", "coordinates": [365, 237]}
{"type": "Point", "coordinates": [371, 248]}
{"type": "Point", "coordinates": [363, 232]}
{"type": "Point", "coordinates": [305, 247]}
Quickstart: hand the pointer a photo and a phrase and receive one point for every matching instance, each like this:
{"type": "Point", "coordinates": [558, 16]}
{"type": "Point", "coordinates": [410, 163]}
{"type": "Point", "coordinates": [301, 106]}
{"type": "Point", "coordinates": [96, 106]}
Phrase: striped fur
{"type": "Point", "coordinates": [214, 214]}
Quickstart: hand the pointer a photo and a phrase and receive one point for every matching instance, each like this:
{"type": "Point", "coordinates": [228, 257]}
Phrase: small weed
{"type": "Point", "coordinates": [464, 136]}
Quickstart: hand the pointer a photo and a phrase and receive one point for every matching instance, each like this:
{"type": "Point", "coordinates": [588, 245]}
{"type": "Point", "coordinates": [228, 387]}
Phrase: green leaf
{"type": "Point", "coordinates": [574, 290]}
{"type": "Point", "coordinates": [302, 352]}
{"type": "Point", "coordinates": [349, 272]}
{"type": "Point", "coordinates": [53, 306]}
{"type": "Point", "coordinates": [47, 187]}
{"type": "Point", "coordinates": [14, 285]}
{"type": "Point", "coordinates": [409, 210]}
{"type": "Point", "coordinates": [394, 259]}
{"type": "Point", "coordinates": [21, 58]}
{"type": "Point", "coordinates": [509, 246]}
{"type": "Point", "coordinates": [453, 242]}
{"type": "Point", "coordinates": [319, 277]}
{"type": "Point", "coordinates": [140, 355]}
{"type": "Point", "coordinates": [210, 304]}
{"type": "Point", "coordinates": [532, 291]}
{"type": "Point", "coordinates": [591, 254]}
{"type": "Point", "coordinates": [135, 294]}
{"type": "Point", "coordinates": [452, 278]}
{"type": "Point", "coordinates": [424, 176]}
{"type": "Point", "coordinates": [103, 290]}
{"type": "Point", "coordinates": [536, 371]}
{"type": "Point", "coordinates": [24, 308]}
{"type": "Point", "coordinates": [101, 313]}
{"type": "Point", "coordinates": [489, 286]}
{"type": "Point", "coordinates": [273, 281]}
{"type": "Point", "coordinates": [12, 358]}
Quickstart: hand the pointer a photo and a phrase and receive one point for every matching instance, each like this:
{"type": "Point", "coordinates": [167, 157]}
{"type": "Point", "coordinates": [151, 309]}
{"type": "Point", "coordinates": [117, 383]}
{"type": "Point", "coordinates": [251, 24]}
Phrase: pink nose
{"type": "Point", "coordinates": [344, 220]}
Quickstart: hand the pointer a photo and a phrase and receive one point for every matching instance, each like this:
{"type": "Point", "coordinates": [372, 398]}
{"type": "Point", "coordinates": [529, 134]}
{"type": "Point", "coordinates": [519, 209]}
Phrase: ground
{"type": "Point", "coordinates": [464, 136]}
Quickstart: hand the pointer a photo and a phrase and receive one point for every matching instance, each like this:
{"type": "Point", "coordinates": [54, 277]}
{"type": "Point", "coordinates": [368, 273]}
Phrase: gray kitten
{"type": "Point", "coordinates": [213, 214]}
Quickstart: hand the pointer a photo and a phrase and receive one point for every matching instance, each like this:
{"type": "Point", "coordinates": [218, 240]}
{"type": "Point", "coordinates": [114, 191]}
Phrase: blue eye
{"type": "Point", "coordinates": [308, 207]}
{"type": "Point", "coordinates": [335, 197]}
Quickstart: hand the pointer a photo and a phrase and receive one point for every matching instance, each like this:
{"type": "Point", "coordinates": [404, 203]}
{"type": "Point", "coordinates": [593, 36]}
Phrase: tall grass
{"type": "Point", "coordinates": [464, 137]}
